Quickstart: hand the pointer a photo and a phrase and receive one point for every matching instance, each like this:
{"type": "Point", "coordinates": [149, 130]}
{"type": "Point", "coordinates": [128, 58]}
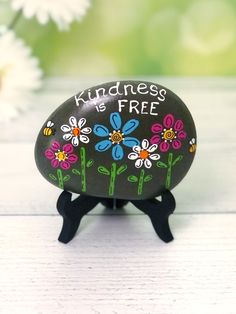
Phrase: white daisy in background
{"type": "Point", "coordinates": [75, 132]}
{"type": "Point", "coordinates": [143, 154]}
{"type": "Point", "coordinates": [62, 12]}
{"type": "Point", "coordinates": [19, 75]}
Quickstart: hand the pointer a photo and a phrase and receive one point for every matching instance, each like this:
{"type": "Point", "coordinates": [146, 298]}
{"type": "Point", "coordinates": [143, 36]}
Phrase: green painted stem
{"type": "Point", "coordinates": [112, 179]}
{"type": "Point", "coordinates": [168, 175]}
{"type": "Point", "coordinates": [60, 179]}
{"type": "Point", "coordinates": [140, 182]}
{"type": "Point", "coordinates": [83, 168]}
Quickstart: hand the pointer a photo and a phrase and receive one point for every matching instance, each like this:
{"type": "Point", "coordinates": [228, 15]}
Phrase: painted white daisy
{"type": "Point", "coordinates": [143, 154]}
{"type": "Point", "coordinates": [75, 132]}
{"type": "Point", "coordinates": [62, 12]}
{"type": "Point", "coordinates": [19, 76]}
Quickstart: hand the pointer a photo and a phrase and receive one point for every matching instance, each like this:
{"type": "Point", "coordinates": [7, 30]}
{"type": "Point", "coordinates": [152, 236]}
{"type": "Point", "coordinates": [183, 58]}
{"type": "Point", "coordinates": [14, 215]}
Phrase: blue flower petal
{"type": "Point", "coordinates": [131, 142]}
{"type": "Point", "coordinates": [102, 146]}
{"type": "Point", "coordinates": [100, 130]}
{"type": "Point", "coordinates": [115, 120]}
{"type": "Point", "coordinates": [130, 126]}
{"type": "Point", "coordinates": [117, 152]}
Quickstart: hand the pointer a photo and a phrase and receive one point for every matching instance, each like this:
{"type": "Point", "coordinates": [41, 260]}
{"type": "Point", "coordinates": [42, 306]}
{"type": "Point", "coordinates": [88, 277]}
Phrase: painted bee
{"type": "Point", "coordinates": [193, 145]}
{"type": "Point", "coordinates": [48, 131]}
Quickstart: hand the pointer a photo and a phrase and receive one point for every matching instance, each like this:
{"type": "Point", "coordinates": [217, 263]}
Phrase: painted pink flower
{"type": "Point", "coordinates": [169, 133]}
{"type": "Point", "coordinates": [60, 157]}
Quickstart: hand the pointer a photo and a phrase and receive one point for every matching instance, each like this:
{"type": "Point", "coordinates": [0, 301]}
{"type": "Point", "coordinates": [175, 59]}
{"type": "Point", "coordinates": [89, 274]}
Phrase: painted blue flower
{"type": "Point", "coordinates": [117, 136]}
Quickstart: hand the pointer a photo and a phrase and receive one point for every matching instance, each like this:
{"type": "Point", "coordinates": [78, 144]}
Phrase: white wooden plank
{"type": "Point", "coordinates": [118, 265]}
{"type": "Point", "coordinates": [208, 187]}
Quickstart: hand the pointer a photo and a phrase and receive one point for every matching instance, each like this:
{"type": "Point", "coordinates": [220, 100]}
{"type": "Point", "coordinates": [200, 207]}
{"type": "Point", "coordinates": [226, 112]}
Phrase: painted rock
{"type": "Point", "coordinates": [125, 139]}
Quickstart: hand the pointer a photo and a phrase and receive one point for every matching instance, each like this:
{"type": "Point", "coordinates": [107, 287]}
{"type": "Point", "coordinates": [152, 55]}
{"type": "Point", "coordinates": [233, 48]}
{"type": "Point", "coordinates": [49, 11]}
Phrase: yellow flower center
{"type": "Point", "coordinates": [168, 134]}
{"type": "Point", "coordinates": [116, 137]}
{"type": "Point", "coordinates": [76, 131]}
{"type": "Point", "coordinates": [61, 156]}
{"type": "Point", "coordinates": [143, 154]}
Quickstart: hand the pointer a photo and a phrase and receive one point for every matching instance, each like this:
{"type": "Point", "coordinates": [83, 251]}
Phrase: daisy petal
{"type": "Point", "coordinates": [72, 158]}
{"type": "Point", "coordinates": [67, 137]}
{"type": "Point", "coordinates": [130, 126]}
{"type": "Point", "coordinates": [133, 156]}
{"type": "Point", "coordinates": [168, 121]}
{"type": "Point", "coordinates": [154, 156]}
{"type": "Point", "coordinates": [155, 139]}
{"type": "Point", "coordinates": [55, 145]}
{"type": "Point", "coordinates": [75, 141]}
{"type": "Point", "coordinates": [86, 130]}
{"type": "Point", "coordinates": [137, 149]}
{"type": "Point", "coordinates": [100, 130]}
{"type": "Point", "coordinates": [102, 146]}
{"type": "Point", "coordinates": [117, 152]}
{"type": "Point", "coordinates": [152, 148]}
{"type": "Point", "coordinates": [130, 141]}
{"type": "Point", "coordinates": [84, 138]}
{"type": "Point", "coordinates": [115, 120]}
{"type": "Point", "coordinates": [176, 144]}
{"type": "Point", "coordinates": [156, 128]}
{"type": "Point", "coordinates": [65, 165]}
{"type": "Point", "coordinates": [73, 121]}
{"type": "Point", "coordinates": [145, 144]}
{"type": "Point", "coordinates": [147, 163]}
{"type": "Point", "coordinates": [164, 147]}
{"type": "Point", "coordinates": [49, 154]}
{"type": "Point", "coordinates": [181, 135]}
{"type": "Point", "coordinates": [81, 122]}
{"type": "Point", "coordinates": [68, 148]}
{"type": "Point", "coordinates": [138, 163]}
{"type": "Point", "coordinates": [178, 125]}
{"type": "Point", "coordinates": [55, 163]}
{"type": "Point", "coordinates": [65, 128]}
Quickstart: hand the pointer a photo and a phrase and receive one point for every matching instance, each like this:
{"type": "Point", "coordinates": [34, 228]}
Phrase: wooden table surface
{"type": "Point", "coordinates": [116, 263]}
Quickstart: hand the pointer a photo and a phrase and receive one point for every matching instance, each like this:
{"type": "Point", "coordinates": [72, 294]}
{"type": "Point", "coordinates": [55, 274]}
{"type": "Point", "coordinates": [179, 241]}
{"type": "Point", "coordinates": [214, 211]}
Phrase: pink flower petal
{"type": "Point", "coordinates": [55, 145]}
{"type": "Point", "coordinates": [176, 144]}
{"type": "Point", "coordinates": [178, 125]}
{"type": "Point", "coordinates": [155, 139]}
{"type": "Point", "coordinates": [164, 147]}
{"type": "Point", "coordinates": [65, 165]}
{"type": "Point", "coordinates": [67, 148]}
{"type": "Point", "coordinates": [72, 158]}
{"type": "Point", "coordinates": [168, 121]}
{"type": "Point", "coordinates": [55, 163]}
{"type": "Point", "coordinates": [49, 154]}
{"type": "Point", "coordinates": [181, 135]}
{"type": "Point", "coordinates": [156, 128]}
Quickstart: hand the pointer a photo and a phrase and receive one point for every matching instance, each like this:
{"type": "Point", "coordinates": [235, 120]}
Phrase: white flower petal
{"type": "Point", "coordinates": [147, 163]}
{"type": "Point", "coordinates": [65, 128]}
{"type": "Point", "coordinates": [145, 144]}
{"type": "Point", "coordinates": [75, 141]}
{"type": "Point", "coordinates": [81, 122]}
{"type": "Point", "coordinates": [137, 149]}
{"type": "Point", "coordinates": [133, 156]}
{"type": "Point", "coordinates": [84, 138]}
{"type": "Point", "coordinates": [152, 148]}
{"type": "Point", "coordinates": [138, 163]}
{"type": "Point", "coordinates": [86, 130]}
{"type": "Point", "coordinates": [67, 137]}
{"type": "Point", "coordinates": [154, 156]}
{"type": "Point", "coordinates": [73, 121]}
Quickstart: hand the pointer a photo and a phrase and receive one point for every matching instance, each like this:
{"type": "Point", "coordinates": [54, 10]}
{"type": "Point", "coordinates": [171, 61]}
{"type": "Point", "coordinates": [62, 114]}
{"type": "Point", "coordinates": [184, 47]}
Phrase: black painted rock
{"type": "Point", "coordinates": [126, 139]}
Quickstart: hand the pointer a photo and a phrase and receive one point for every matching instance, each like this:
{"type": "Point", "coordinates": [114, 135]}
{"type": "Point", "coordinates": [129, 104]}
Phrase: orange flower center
{"type": "Point", "coordinates": [76, 131]}
{"type": "Point", "coordinates": [143, 154]}
{"type": "Point", "coordinates": [61, 156]}
{"type": "Point", "coordinates": [116, 137]}
{"type": "Point", "coordinates": [168, 134]}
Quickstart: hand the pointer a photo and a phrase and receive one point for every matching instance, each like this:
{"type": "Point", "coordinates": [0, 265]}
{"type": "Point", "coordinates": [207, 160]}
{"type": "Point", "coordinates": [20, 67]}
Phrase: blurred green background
{"type": "Point", "coordinates": [137, 38]}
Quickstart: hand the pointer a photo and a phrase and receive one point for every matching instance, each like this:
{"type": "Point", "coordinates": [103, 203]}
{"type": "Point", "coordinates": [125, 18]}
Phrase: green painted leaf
{"type": "Point", "coordinates": [132, 179]}
{"type": "Point", "coordinates": [66, 178]}
{"type": "Point", "coordinates": [51, 176]}
{"type": "Point", "coordinates": [90, 163]}
{"type": "Point", "coordinates": [161, 164]}
{"type": "Point", "coordinates": [103, 170]}
{"type": "Point", "coordinates": [76, 172]}
{"type": "Point", "coordinates": [121, 169]}
{"type": "Point", "coordinates": [179, 158]}
{"type": "Point", "coordinates": [148, 178]}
